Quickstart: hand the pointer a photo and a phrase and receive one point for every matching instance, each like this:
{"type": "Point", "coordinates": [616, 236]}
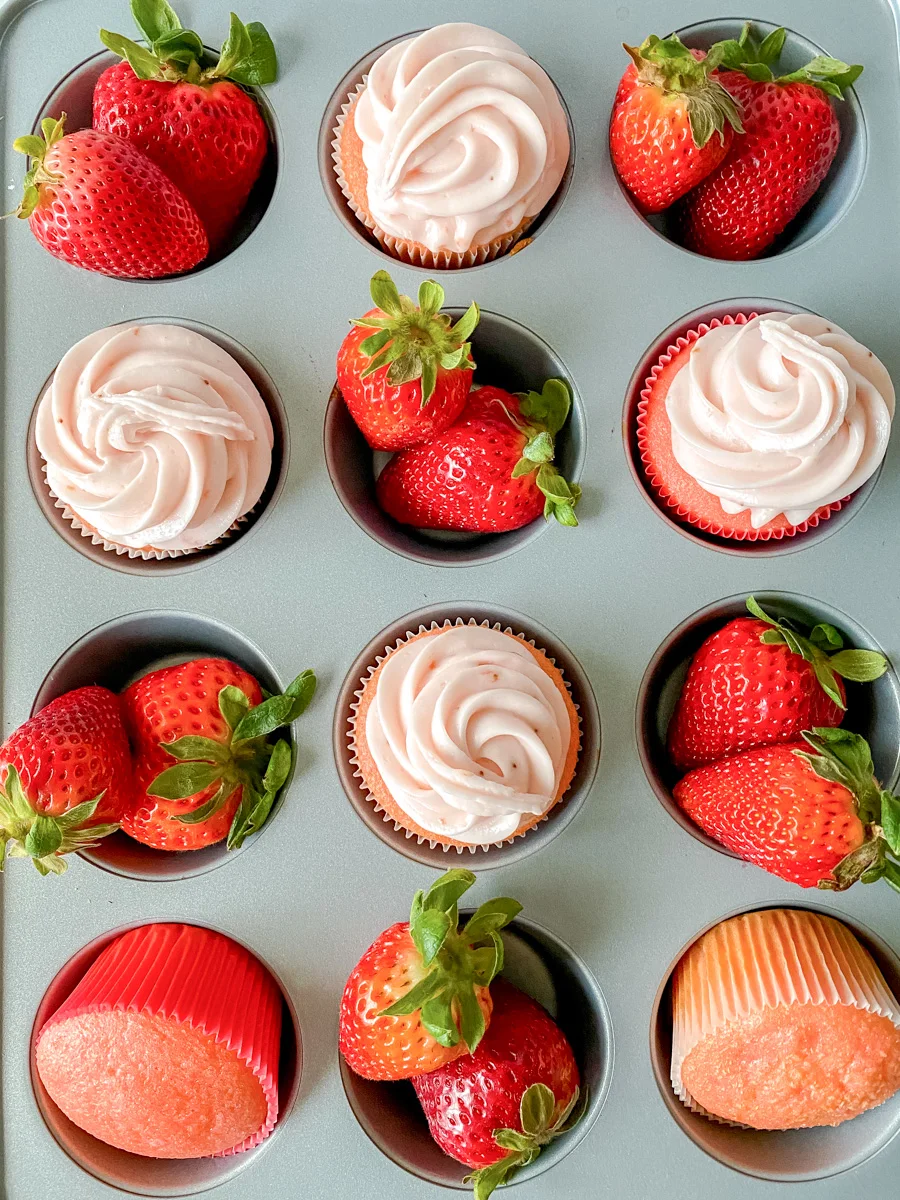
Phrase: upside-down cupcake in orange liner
{"type": "Point", "coordinates": [168, 1047]}
{"type": "Point", "coordinates": [451, 146]}
{"type": "Point", "coordinates": [757, 427]}
{"type": "Point", "coordinates": [464, 735]}
{"type": "Point", "coordinates": [782, 1020]}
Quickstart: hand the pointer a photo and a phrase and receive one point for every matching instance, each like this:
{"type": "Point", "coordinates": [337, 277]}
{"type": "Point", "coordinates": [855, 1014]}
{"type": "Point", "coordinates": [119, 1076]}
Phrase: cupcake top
{"type": "Point", "coordinates": [784, 414]}
{"type": "Point", "coordinates": [464, 136]}
{"type": "Point", "coordinates": [468, 732]}
{"type": "Point", "coordinates": [154, 436]}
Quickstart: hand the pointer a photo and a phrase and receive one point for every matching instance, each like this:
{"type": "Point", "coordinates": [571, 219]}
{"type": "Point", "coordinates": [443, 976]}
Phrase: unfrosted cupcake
{"type": "Point", "coordinates": [782, 1020]}
{"type": "Point", "coordinates": [465, 735]}
{"type": "Point", "coordinates": [168, 1046]}
{"type": "Point", "coordinates": [156, 443]}
{"type": "Point", "coordinates": [760, 427]}
{"type": "Point", "coordinates": [451, 146]}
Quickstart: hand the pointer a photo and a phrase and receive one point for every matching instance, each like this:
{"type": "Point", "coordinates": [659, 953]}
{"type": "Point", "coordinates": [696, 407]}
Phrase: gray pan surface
{"type": "Point", "coordinates": [624, 886]}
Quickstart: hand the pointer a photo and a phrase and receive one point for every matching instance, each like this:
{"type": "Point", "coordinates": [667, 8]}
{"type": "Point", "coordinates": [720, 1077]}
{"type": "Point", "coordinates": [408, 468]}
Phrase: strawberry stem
{"type": "Point", "coordinates": [26, 833]}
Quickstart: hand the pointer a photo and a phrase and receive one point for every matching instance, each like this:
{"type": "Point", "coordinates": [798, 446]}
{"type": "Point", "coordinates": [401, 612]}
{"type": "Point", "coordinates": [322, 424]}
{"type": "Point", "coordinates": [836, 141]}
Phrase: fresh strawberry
{"type": "Point", "coordinates": [672, 121]}
{"type": "Point", "coordinates": [791, 135]}
{"type": "Point", "coordinates": [496, 1108]}
{"type": "Point", "coordinates": [65, 779]}
{"type": "Point", "coordinates": [491, 471]}
{"type": "Point", "coordinates": [97, 202]}
{"type": "Point", "coordinates": [210, 715]}
{"type": "Point", "coordinates": [192, 118]}
{"type": "Point", "coordinates": [757, 682]}
{"type": "Point", "coordinates": [418, 998]}
{"type": "Point", "coordinates": [810, 811]}
{"type": "Point", "coordinates": [407, 381]}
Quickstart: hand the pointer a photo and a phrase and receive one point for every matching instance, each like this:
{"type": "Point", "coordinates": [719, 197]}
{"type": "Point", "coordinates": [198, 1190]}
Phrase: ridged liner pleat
{"type": "Point", "coordinates": [351, 722]}
{"type": "Point", "coordinates": [761, 960]}
{"type": "Point", "coordinates": [199, 977]}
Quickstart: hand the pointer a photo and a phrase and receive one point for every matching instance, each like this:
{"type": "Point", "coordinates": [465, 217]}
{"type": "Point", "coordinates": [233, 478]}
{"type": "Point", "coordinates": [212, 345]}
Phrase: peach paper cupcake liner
{"type": "Point", "coordinates": [388, 818]}
{"type": "Point", "coordinates": [678, 510]}
{"type": "Point", "coordinates": [147, 553]}
{"type": "Point", "coordinates": [196, 976]}
{"type": "Point", "coordinates": [414, 252]}
{"type": "Point", "coordinates": [797, 957]}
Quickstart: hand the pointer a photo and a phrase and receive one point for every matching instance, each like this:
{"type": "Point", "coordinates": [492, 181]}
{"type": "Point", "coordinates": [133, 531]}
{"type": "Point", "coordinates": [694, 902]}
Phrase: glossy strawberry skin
{"type": "Point", "coordinates": [741, 693]}
{"type": "Point", "coordinates": [652, 147]}
{"type": "Point", "coordinates": [162, 707]}
{"type": "Point", "coordinates": [472, 1096]}
{"type": "Point", "coordinates": [391, 1048]}
{"type": "Point", "coordinates": [210, 139]}
{"type": "Point", "coordinates": [462, 480]}
{"type": "Point", "coordinates": [770, 807]}
{"type": "Point", "coordinates": [393, 418]}
{"type": "Point", "coordinates": [70, 752]}
{"type": "Point", "coordinates": [114, 211]}
{"type": "Point", "coordinates": [790, 140]}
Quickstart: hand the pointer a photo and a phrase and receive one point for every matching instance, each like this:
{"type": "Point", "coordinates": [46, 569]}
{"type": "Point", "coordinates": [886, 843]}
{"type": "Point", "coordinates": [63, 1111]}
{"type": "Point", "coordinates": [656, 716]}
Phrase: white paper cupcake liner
{"type": "Point", "coordinates": [401, 248]}
{"type": "Point", "coordinates": [147, 553]}
{"type": "Point", "coordinates": [798, 957]}
{"type": "Point", "coordinates": [351, 736]}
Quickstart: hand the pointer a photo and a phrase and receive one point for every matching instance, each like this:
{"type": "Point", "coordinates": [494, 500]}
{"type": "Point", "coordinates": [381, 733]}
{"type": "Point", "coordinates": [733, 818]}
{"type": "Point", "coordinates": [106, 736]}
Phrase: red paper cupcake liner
{"type": "Point", "coordinates": [678, 510]}
{"type": "Point", "coordinates": [196, 976]}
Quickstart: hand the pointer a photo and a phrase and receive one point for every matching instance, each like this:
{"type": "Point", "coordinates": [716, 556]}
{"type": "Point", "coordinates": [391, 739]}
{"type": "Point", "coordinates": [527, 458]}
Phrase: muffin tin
{"type": "Point", "coordinates": [621, 885]}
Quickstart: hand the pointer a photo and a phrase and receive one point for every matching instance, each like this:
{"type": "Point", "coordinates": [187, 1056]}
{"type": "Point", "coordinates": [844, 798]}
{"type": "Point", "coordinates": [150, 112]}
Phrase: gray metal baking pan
{"type": "Point", "coordinates": [622, 884]}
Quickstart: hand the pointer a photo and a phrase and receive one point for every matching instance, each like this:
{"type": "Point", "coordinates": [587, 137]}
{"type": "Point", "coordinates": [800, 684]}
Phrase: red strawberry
{"type": "Point", "coordinates": [418, 998]}
{"type": "Point", "coordinates": [810, 812]}
{"type": "Point", "coordinates": [791, 136]}
{"type": "Point", "coordinates": [66, 779]}
{"type": "Point", "coordinates": [758, 681]}
{"type": "Point", "coordinates": [491, 471]}
{"type": "Point", "coordinates": [96, 201]}
{"type": "Point", "coordinates": [672, 121]}
{"type": "Point", "coordinates": [210, 715]}
{"type": "Point", "coordinates": [407, 381]}
{"type": "Point", "coordinates": [496, 1108]}
{"type": "Point", "coordinates": [194, 120]}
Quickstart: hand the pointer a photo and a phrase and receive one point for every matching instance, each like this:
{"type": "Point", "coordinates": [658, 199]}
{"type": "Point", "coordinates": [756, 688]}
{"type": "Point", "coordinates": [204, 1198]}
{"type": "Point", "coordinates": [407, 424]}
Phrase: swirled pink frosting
{"type": "Point", "coordinates": [469, 734]}
{"type": "Point", "coordinates": [464, 137]}
{"type": "Point", "coordinates": [154, 436]}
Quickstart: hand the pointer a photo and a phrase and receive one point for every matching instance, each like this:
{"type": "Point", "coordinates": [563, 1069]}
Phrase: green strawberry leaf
{"type": "Point", "coordinates": [448, 889]}
{"type": "Point", "coordinates": [144, 64]}
{"type": "Point", "coordinates": [433, 927]}
{"type": "Point", "coordinates": [536, 1109]}
{"type": "Point", "coordinates": [194, 747]}
{"type": "Point", "coordinates": [31, 145]}
{"type": "Point", "coordinates": [264, 719]}
{"type": "Point", "coordinates": [236, 48]}
{"type": "Point", "coordinates": [198, 815]}
{"type": "Point", "coordinates": [43, 838]}
{"type": "Point", "coordinates": [431, 298]}
{"type": "Point", "coordinates": [492, 916]}
{"type": "Point", "coordinates": [471, 1017]}
{"type": "Point", "coordinates": [465, 326]}
{"type": "Point", "coordinates": [825, 637]}
{"type": "Point", "coordinates": [426, 989]}
{"type": "Point", "coordinates": [437, 1018]}
{"type": "Point", "coordinates": [279, 767]}
{"type": "Point", "coordinates": [233, 705]}
{"type": "Point", "coordinates": [302, 689]}
{"type": "Point", "coordinates": [859, 666]}
{"type": "Point", "coordinates": [77, 816]}
{"type": "Point", "coordinates": [550, 407]}
{"type": "Point", "coordinates": [486, 1180]}
{"type": "Point", "coordinates": [375, 342]}
{"type": "Point", "coordinates": [155, 18]}
{"type": "Point", "coordinates": [184, 780]}
{"type": "Point", "coordinates": [259, 66]}
{"type": "Point", "coordinates": [384, 294]}
{"type": "Point", "coordinates": [890, 821]}
{"type": "Point", "coordinates": [181, 46]}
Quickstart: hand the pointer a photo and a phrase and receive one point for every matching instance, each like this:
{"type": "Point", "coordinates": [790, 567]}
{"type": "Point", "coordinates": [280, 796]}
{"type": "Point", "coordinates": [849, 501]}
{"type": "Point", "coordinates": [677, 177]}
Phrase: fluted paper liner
{"type": "Point", "coordinates": [189, 974]}
{"type": "Point", "coordinates": [401, 248]}
{"type": "Point", "coordinates": [421, 839]}
{"type": "Point", "coordinates": [677, 509]}
{"type": "Point", "coordinates": [762, 960]}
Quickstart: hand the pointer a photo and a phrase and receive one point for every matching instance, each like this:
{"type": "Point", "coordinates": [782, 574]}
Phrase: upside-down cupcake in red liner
{"type": "Point", "coordinates": [761, 426]}
{"type": "Point", "coordinates": [168, 1047]}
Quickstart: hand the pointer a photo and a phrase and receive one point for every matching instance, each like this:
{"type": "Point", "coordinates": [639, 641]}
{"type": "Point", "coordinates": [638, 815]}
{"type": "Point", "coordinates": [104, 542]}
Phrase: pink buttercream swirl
{"type": "Point", "coordinates": [154, 436]}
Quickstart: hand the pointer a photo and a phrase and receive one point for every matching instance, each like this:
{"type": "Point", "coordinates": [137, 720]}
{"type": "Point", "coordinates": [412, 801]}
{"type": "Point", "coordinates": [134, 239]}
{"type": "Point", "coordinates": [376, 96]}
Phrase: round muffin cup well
{"type": "Point", "coordinates": [873, 709]}
{"type": "Point", "coordinates": [841, 185]}
{"type": "Point", "coordinates": [542, 965]}
{"type": "Point", "coordinates": [507, 355]}
{"type": "Point", "coordinates": [74, 94]}
{"type": "Point", "coordinates": [92, 547]}
{"type": "Point", "coordinates": [479, 857]}
{"type": "Point", "coordinates": [115, 654]}
{"type": "Point", "coordinates": [781, 1156]}
{"type": "Point", "coordinates": [332, 118]}
{"type": "Point", "coordinates": [133, 1173]}
{"type": "Point", "coordinates": [668, 338]}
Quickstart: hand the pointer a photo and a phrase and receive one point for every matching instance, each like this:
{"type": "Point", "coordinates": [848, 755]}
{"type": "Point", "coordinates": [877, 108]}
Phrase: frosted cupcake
{"type": "Point", "coordinates": [782, 1020]}
{"type": "Point", "coordinates": [760, 427]}
{"type": "Point", "coordinates": [156, 443]}
{"type": "Point", "coordinates": [465, 735]}
{"type": "Point", "coordinates": [451, 146]}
